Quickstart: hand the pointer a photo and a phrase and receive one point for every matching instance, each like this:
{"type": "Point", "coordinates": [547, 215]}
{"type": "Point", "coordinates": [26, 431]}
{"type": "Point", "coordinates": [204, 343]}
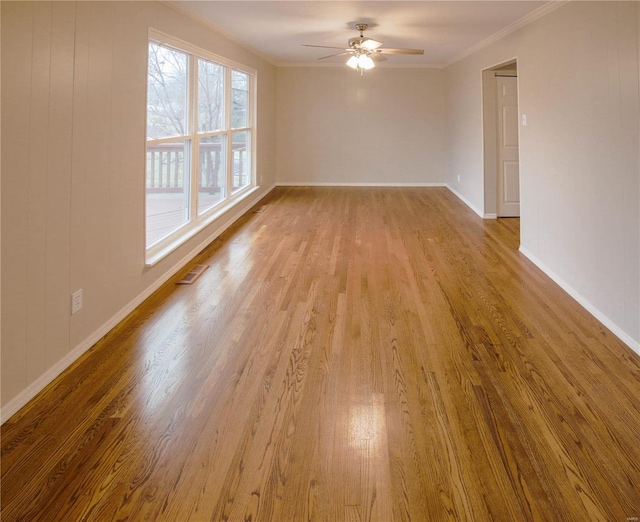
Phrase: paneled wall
{"type": "Point", "coordinates": [336, 127]}
{"type": "Point", "coordinates": [579, 164]}
{"type": "Point", "coordinates": [73, 121]}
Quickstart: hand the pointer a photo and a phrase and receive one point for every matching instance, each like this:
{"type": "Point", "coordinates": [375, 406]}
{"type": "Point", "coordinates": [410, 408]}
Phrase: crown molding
{"type": "Point", "coordinates": [518, 24]}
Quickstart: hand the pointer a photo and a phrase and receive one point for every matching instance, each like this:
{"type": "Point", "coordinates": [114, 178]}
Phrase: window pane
{"type": "Point", "coordinates": [241, 160]}
{"type": "Point", "coordinates": [239, 99]}
{"type": "Point", "coordinates": [167, 189]}
{"type": "Point", "coordinates": [210, 96]}
{"type": "Point", "coordinates": [166, 92]}
{"type": "Point", "coordinates": [213, 172]}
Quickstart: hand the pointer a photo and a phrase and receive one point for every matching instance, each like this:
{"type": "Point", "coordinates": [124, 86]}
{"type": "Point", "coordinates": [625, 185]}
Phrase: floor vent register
{"type": "Point", "coordinates": [194, 274]}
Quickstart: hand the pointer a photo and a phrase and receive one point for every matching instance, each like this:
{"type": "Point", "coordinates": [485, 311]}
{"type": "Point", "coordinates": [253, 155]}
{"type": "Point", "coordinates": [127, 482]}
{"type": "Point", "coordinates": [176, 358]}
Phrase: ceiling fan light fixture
{"type": "Point", "coordinates": [353, 62]}
{"type": "Point", "coordinates": [365, 62]}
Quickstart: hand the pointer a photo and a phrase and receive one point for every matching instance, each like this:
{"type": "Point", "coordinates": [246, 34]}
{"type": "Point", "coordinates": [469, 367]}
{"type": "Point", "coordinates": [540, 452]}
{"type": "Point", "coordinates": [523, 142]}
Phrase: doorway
{"type": "Point", "coordinates": [500, 136]}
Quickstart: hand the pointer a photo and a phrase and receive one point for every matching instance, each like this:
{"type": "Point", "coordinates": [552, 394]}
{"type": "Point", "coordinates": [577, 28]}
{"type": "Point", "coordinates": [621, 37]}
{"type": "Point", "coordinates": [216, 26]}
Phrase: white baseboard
{"type": "Point", "coordinates": [333, 184]}
{"type": "Point", "coordinates": [615, 329]}
{"type": "Point", "coordinates": [46, 378]}
{"type": "Point", "coordinates": [323, 184]}
{"type": "Point", "coordinates": [466, 201]}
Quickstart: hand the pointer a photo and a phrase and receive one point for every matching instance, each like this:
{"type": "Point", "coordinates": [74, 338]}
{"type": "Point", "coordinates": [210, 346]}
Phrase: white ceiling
{"type": "Point", "coordinates": [446, 30]}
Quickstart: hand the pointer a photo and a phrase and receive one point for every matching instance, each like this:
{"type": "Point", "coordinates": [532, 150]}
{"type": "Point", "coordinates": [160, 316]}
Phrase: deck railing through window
{"type": "Point", "coordinates": [165, 167]}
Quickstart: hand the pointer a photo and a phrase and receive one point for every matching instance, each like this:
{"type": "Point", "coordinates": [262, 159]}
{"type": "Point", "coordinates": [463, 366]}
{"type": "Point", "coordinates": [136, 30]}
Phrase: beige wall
{"type": "Point", "coordinates": [335, 127]}
{"type": "Point", "coordinates": [73, 97]}
{"type": "Point", "coordinates": [579, 165]}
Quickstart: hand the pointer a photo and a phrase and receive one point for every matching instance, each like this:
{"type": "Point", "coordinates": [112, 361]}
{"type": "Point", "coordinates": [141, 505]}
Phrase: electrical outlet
{"type": "Point", "coordinates": [76, 301]}
{"type": "Point", "coordinates": [458, 177]}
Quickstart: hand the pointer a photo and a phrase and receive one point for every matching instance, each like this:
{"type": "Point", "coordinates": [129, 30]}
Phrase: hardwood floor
{"type": "Point", "coordinates": [351, 354]}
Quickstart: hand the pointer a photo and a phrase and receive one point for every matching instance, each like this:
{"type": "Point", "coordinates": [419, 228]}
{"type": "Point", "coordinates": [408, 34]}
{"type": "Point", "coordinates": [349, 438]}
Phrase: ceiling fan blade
{"type": "Point", "coordinates": [324, 47]}
{"type": "Point", "coordinates": [370, 44]}
{"type": "Point", "coordinates": [400, 51]}
{"type": "Point", "coordinates": [331, 55]}
{"type": "Point", "coordinates": [377, 57]}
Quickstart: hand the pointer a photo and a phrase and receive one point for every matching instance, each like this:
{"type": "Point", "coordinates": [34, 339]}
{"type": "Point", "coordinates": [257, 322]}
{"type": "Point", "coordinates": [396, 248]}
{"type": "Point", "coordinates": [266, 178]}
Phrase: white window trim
{"type": "Point", "coordinates": [197, 223]}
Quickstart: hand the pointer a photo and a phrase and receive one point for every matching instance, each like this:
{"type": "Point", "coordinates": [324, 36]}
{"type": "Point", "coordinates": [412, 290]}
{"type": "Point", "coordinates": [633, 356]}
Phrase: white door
{"type": "Point", "coordinates": [508, 202]}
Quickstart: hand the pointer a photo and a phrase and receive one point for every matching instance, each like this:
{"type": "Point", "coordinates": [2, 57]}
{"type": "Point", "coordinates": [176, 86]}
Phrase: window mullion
{"type": "Point", "coordinates": [228, 119]}
{"type": "Point", "coordinates": [250, 102]}
{"type": "Point", "coordinates": [252, 124]}
{"type": "Point", "coordinates": [195, 144]}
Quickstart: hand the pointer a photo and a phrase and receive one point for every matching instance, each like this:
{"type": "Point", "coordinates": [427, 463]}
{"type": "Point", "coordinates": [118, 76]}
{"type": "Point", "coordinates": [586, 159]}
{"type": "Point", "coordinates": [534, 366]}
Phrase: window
{"type": "Point", "coordinates": [200, 137]}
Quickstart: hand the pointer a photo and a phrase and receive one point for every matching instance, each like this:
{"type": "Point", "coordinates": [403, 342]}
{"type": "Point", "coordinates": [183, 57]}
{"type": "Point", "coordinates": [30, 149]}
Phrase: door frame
{"type": "Point", "coordinates": [490, 137]}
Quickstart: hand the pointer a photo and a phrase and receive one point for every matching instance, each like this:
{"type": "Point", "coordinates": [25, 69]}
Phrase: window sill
{"type": "Point", "coordinates": [154, 255]}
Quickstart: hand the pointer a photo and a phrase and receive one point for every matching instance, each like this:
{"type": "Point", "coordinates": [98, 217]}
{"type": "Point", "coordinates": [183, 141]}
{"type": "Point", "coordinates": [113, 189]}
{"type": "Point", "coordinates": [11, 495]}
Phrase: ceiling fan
{"type": "Point", "coordinates": [364, 51]}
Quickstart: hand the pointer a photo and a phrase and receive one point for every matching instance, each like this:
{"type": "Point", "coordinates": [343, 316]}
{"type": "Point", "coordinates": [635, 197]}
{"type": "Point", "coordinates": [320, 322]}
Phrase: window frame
{"type": "Point", "coordinates": [198, 221]}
